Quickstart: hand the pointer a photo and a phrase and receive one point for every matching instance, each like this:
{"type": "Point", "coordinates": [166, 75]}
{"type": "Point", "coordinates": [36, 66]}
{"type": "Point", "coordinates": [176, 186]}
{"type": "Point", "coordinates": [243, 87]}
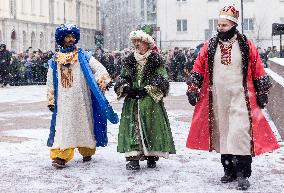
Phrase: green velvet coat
{"type": "Point", "coordinates": [154, 121]}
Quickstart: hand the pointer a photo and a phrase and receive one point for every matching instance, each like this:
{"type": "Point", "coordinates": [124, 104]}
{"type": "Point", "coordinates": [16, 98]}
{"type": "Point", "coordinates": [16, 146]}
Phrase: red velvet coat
{"type": "Point", "coordinates": [254, 80]}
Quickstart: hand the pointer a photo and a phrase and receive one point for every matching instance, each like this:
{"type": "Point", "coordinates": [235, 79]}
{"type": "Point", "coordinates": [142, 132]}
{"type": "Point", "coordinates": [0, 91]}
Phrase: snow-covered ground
{"type": "Point", "coordinates": [23, 94]}
{"type": "Point", "coordinates": [26, 167]}
{"type": "Point", "coordinates": [31, 94]}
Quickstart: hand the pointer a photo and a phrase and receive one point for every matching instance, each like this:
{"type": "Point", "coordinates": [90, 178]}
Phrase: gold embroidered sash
{"type": "Point", "coordinates": [65, 60]}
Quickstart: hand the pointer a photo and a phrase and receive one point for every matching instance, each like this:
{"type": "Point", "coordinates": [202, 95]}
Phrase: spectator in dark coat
{"type": "Point", "coordinates": [117, 64]}
{"type": "Point", "coordinates": [282, 52]}
{"type": "Point", "coordinates": [178, 65]}
{"type": "Point", "coordinates": [108, 62]}
{"type": "Point", "coordinates": [190, 61]}
{"type": "Point", "coordinates": [28, 71]}
{"type": "Point", "coordinates": [5, 59]}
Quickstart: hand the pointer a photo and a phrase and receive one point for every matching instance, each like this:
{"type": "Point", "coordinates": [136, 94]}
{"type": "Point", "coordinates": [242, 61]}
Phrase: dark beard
{"type": "Point", "coordinates": [69, 44]}
{"type": "Point", "coordinates": [225, 36]}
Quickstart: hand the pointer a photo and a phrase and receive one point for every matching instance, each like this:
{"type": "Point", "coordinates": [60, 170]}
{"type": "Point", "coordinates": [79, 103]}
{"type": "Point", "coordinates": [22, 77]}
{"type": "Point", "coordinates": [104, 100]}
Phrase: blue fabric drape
{"type": "Point", "coordinates": [53, 65]}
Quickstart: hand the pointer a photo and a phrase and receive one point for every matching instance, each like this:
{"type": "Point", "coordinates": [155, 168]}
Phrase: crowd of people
{"type": "Point", "coordinates": [270, 52]}
{"type": "Point", "coordinates": [30, 67]}
{"type": "Point", "coordinates": [178, 61]}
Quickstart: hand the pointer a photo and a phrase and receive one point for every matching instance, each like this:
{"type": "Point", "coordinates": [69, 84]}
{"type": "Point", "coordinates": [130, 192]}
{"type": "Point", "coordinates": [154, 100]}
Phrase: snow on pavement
{"type": "Point", "coordinates": [23, 94]}
{"type": "Point", "coordinates": [31, 94]}
{"type": "Point", "coordinates": [26, 167]}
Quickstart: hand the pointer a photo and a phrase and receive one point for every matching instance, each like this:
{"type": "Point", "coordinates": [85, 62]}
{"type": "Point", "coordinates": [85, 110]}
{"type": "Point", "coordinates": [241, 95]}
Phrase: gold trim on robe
{"type": "Point", "coordinates": [50, 96]}
{"type": "Point", "coordinates": [65, 60]}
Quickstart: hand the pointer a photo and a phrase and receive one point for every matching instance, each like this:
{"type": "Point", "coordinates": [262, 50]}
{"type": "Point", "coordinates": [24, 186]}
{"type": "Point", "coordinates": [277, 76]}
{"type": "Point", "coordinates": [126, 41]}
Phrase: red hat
{"type": "Point", "coordinates": [230, 12]}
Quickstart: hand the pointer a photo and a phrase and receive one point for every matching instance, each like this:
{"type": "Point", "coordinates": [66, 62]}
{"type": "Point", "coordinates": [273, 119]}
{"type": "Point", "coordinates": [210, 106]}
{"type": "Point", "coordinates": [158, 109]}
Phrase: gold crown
{"type": "Point", "coordinates": [230, 13]}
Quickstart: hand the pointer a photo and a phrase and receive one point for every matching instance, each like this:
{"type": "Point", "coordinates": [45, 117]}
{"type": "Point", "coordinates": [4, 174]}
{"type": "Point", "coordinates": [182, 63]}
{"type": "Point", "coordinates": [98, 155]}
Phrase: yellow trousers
{"type": "Point", "coordinates": [68, 154]}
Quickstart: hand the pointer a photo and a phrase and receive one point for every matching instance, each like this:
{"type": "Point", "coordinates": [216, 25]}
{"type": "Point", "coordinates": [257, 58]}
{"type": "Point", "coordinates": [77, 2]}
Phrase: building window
{"type": "Point", "coordinates": [98, 8]}
{"type": "Point", "coordinates": [181, 24]}
{"type": "Point", "coordinates": [33, 6]}
{"type": "Point", "coordinates": [87, 13]}
{"type": "Point", "coordinates": [41, 40]}
{"type": "Point", "coordinates": [213, 23]}
{"type": "Point", "coordinates": [52, 40]}
{"type": "Point", "coordinates": [51, 11]}
{"type": "Point", "coordinates": [151, 10]}
{"type": "Point", "coordinates": [249, 24]}
{"type": "Point", "coordinates": [12, 8]}
{"type": "Point", "coordinates": [78, 14]}
{"type": "Point", "coordinates": [57, 10]}
{"type": "Point", "coordinates": [13, 41]}
{"type": "Point", "coordinates": [33, 40]}
{"type": "Point", "coordinates": [23, 6]}
{"type": "Point", "coordinates": [24, 40]}
{"type": "Point", "coordinates": [41, 7]}
{"type": "Point", "coordinates": [142, 9]}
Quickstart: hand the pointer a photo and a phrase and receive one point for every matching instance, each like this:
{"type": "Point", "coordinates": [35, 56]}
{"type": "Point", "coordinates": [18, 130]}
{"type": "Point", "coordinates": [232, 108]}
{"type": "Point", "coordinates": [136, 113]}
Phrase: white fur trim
{"type": "Point", "coordinates": [139, 34]}
{"type": "Point", "coordinates": [229, 18]}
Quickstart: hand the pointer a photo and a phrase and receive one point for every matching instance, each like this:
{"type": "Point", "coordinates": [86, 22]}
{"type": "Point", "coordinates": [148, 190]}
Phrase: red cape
{"type": "Point", "coordinates": [200, 136]}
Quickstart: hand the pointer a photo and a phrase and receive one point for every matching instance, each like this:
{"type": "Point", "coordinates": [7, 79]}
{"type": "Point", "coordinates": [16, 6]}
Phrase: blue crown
{"type": "Point", "coordinates": [64, 30]}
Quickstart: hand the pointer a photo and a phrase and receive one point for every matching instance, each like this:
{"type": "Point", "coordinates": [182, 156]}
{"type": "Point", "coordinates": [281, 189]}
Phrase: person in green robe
{"type": "Point", "coordinates": [144, 130]}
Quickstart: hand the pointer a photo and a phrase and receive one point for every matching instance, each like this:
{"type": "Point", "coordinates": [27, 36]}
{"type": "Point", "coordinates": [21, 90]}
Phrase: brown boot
{"type": "Point", "coordinates": [59, 163]}
{"type": "Point", "coordinates": [87, 158]}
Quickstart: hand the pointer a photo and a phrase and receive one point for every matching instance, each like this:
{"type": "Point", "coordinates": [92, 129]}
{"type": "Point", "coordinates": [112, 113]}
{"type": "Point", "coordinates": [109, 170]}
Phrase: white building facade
{"type": "Point", "coordinates": [32, 23]}
{"type": "Point", "coordinates": [186, 23]}
{"type": "Point", "coordinates": [120, 17]}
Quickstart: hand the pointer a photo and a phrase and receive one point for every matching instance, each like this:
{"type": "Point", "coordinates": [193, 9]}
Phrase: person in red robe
{"type": "Point", "coordinates": [229, 87]}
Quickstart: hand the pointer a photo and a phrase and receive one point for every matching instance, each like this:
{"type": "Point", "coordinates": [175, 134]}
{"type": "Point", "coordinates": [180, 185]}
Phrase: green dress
{"type": "Point", "coordinates": [144, 123]}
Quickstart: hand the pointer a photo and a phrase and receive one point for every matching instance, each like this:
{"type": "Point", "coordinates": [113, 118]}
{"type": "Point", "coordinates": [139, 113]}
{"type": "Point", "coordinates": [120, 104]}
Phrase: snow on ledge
{"type": "Point", "coordinates": [279, 61]}
{"type": "Point", "coordinates": [279, 79]}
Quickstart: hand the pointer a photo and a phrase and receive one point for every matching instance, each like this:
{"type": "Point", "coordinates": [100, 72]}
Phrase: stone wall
{"type": "Point", "coordinates": [275, 105]}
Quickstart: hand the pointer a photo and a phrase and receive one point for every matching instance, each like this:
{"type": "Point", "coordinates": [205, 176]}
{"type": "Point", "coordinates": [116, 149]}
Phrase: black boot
{"type": "Point", "coordinates": [243, 183]}
{"type": "Point", "coordinates": [243, 166]}
{"type": "Point", "coordinates": [229, 168]}
{"type": "Point", "coordinates": [133, 165]}
{"type": "Point", "coordinates": [228, 178]}
{"type": "Point", "coordinates": [87, 158]}
{"type": "Point", "coordinates": [151, 161]}
{"type": "Point", "coordinates": [59, 163]}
